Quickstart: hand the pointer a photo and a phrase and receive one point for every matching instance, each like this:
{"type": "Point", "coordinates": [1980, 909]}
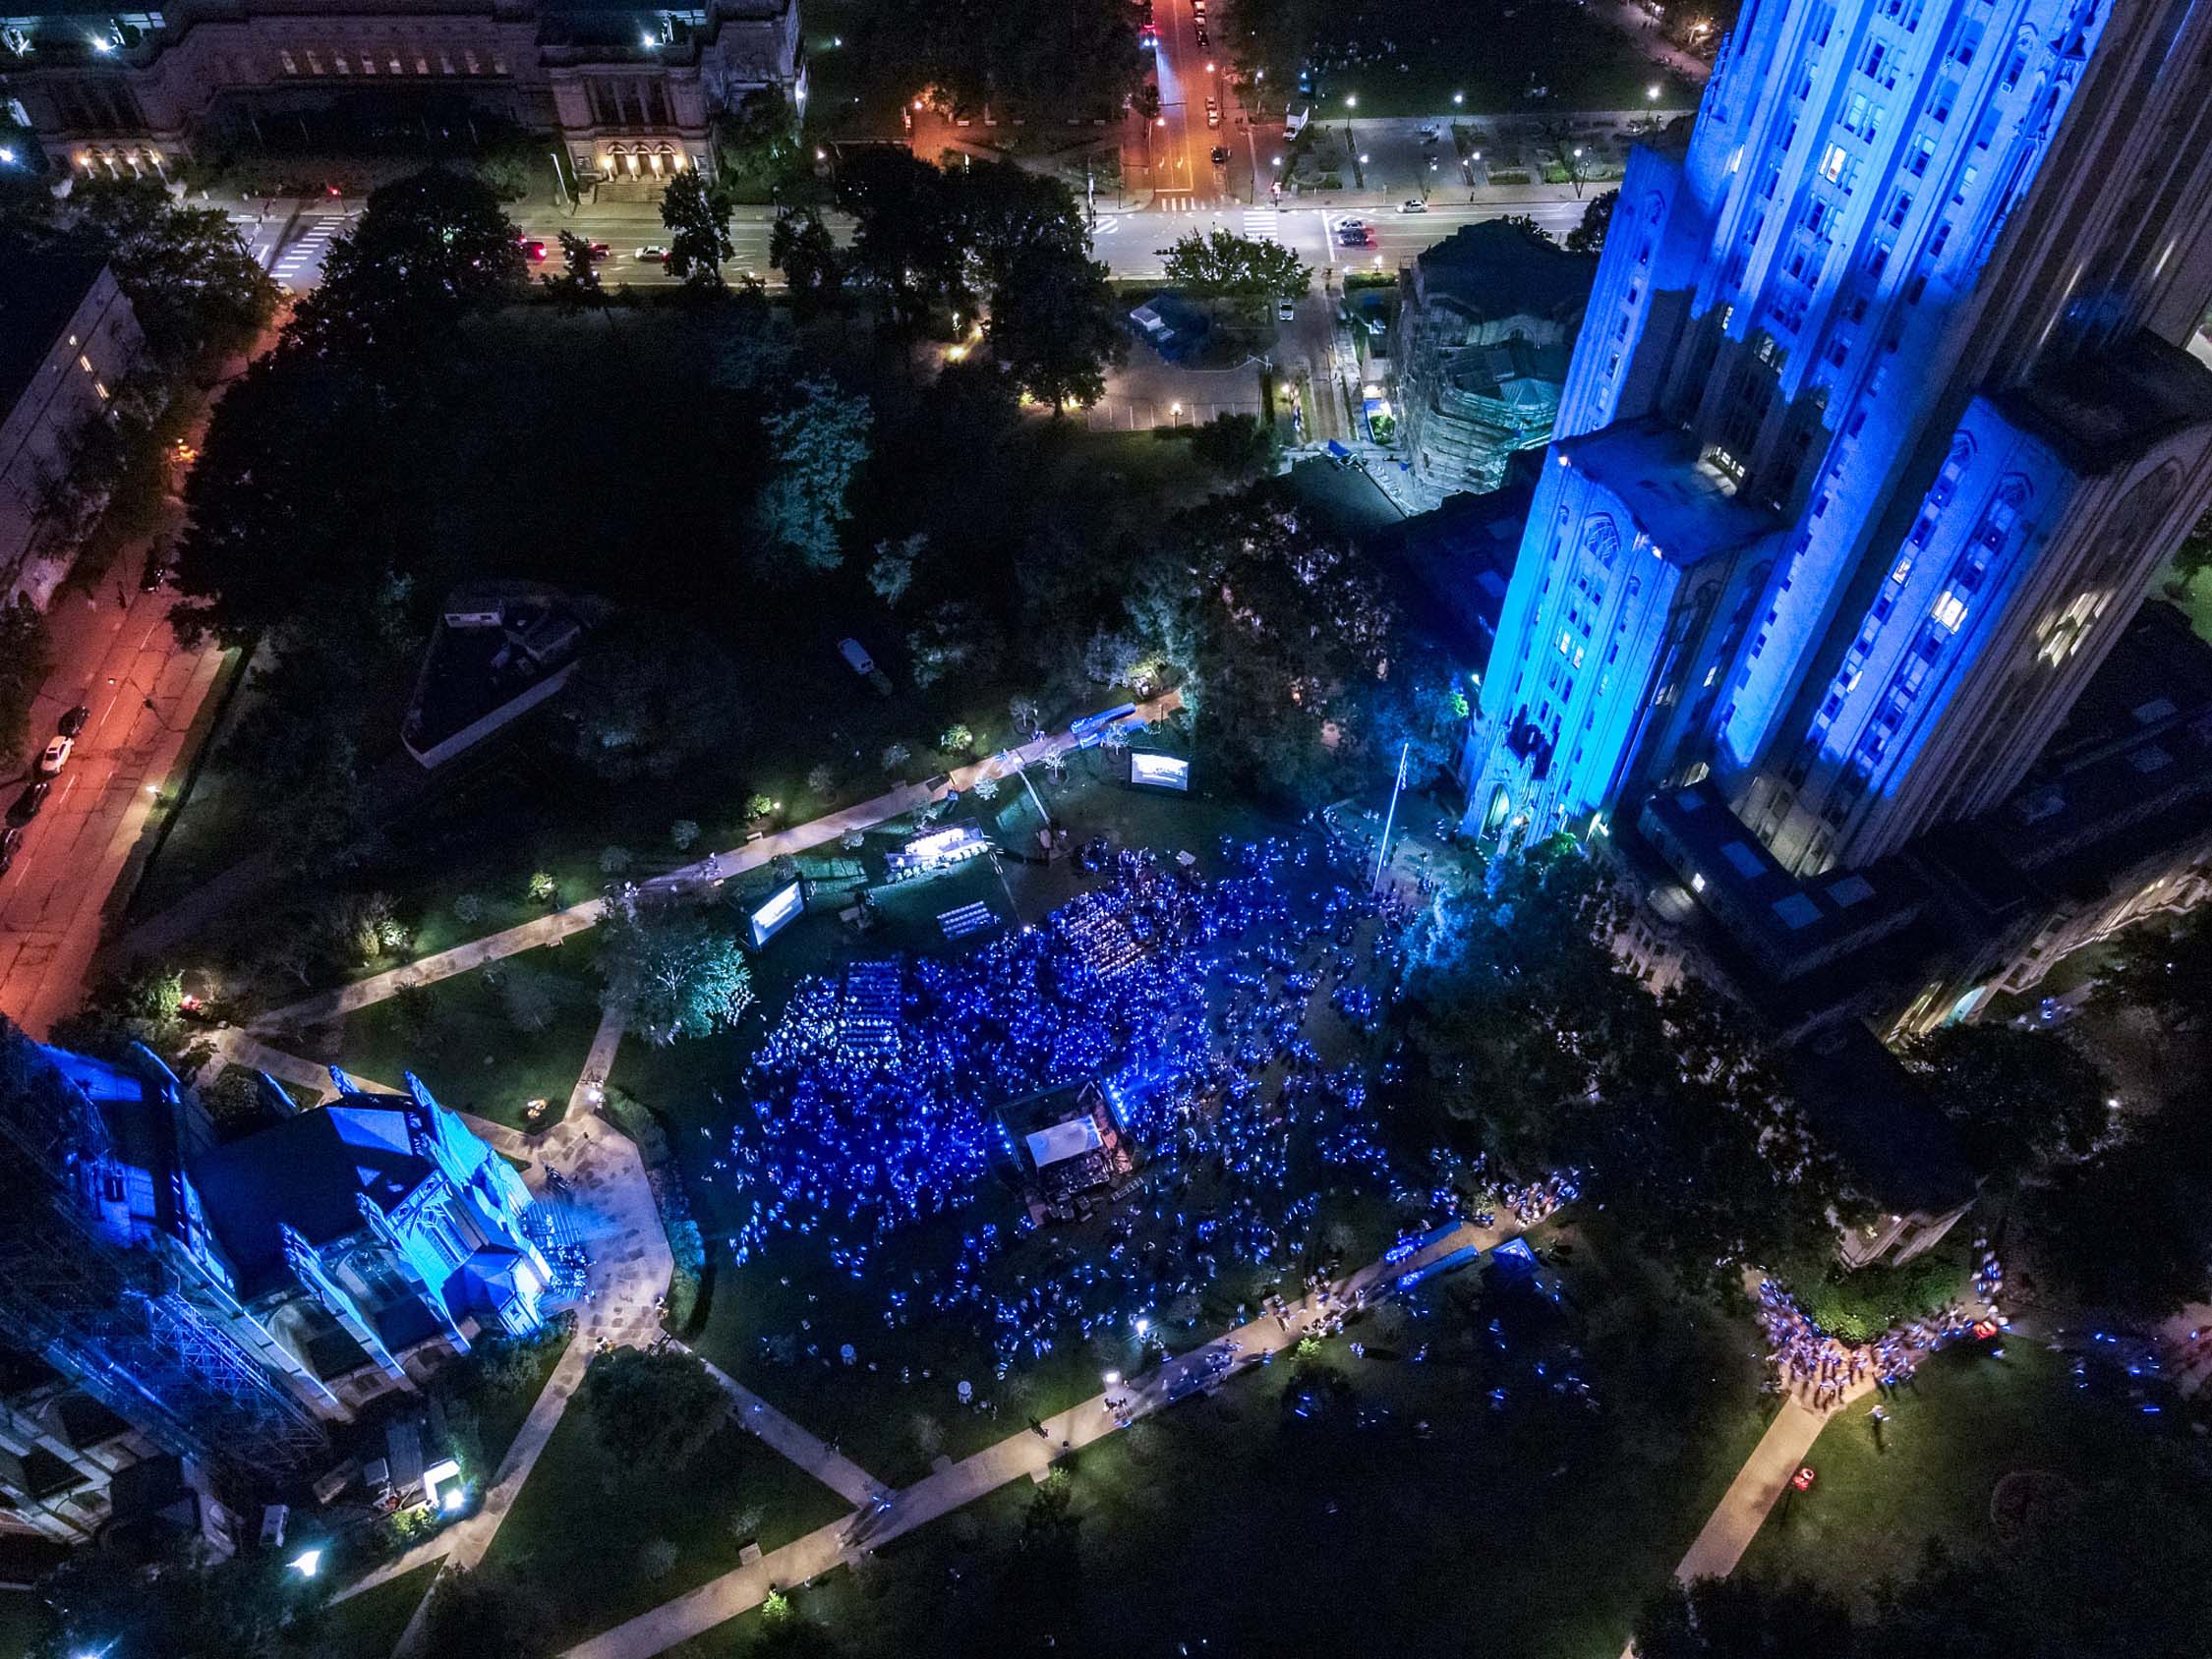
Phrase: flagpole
{"type": "Point", "coordinates": [1382, 852]}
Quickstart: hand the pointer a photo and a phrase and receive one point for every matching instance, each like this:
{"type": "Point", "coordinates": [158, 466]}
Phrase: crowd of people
{"type": "Point", "coordinates": [1234, 1017]}
{"type": "Point", "coordinates": [1825, 1371]}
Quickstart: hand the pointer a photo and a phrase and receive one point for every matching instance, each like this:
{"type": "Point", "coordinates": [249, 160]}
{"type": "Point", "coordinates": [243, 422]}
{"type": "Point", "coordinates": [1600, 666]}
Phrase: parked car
{"type": "Point", "coordinates": [1204, 40]}
{"type": "Point", "coordinates": [1411, 205]}
{"type": "Point", "coordinates": [1213, 113]}
{"type": "Point", "coordinates": [73, 722]}
{"type": "Point", "coordinates": [56, 757]}
{"type": "Point", "coordinates": [1220, 155]}
{"type": "Point", "coordinates": [1284, 310]}
{"type": "Point", "coordinates": [856, 658]}
{"type": "Point", "coordinates": [10, 840]}
{"type": "Point", "coordinates": [30, 801]}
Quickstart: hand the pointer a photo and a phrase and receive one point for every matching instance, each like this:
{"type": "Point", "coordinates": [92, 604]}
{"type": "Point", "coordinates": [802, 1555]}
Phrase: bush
{"type": "Point", "coordinates": [469, 907]}
{"type": "Point", "coordinates": [612, 861]}
{"type": "Point", "coordinates": [1859, 1306]}
{"type": "Point", "coordinates": [690, 1252]}
{"type": "Point", "coordinates": [682, 833]}
{"type": "Point", "coordinates": [544, 889]}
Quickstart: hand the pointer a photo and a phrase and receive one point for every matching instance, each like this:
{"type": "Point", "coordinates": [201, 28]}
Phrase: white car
{"type": "Point", "coordinates": [1285, 310]}
{"type": "Point", "coordinates": [652, 254]}
{"type": "Point", "coordinates": [1213, 113]}
{"type": "Point", "coordinates": [56, 755]}
{"type": "Point", "coordinates": [1412, 207]}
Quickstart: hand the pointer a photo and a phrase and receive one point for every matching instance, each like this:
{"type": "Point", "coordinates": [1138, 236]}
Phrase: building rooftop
{"type": "Point", "coordinates": [311, 1173]}
{"type": "Point", "coordinates": [2101, 408]}
{"type": "Point", "coordinates": [1495, 269]}
{"type": "Point", "coordinates": [1687, 508]}
{"type": "Point", "coordinates": [39, 294]}
{"type": "Point", "coordinates": [1460, 556]}
{"type": "Point", "coordinates": [1876, 1120]}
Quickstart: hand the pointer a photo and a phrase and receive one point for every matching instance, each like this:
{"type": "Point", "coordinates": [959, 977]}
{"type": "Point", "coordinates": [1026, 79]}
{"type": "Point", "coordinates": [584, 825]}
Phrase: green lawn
{"type": "Point", "coordinates": [1415, 1518]}
{"type": "Point", "coordinates": [500, 1413]}
{"type": "Point", "coordinates": [23, 1621]}
{"type": "Point", "coordinates": [368, 1626]}
{"type": "Point", "coordinates": [458, 1038]}
{"type": "Point", "coordinates": [1491, 54]}
{"type": "Point", "coordinates": [583, 1519]}
{"type": "Point", "coordinates": [1969, 1420]}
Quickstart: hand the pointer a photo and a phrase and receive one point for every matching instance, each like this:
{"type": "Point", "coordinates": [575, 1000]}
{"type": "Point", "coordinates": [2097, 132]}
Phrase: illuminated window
{"type": "Point", "coordinates": [290, 68]}
{"type": "Point", "coordinates": [100, 389]}
{"type": "Point", "coordinates": [85, 363]}
{"type": "Point", "coordinates": [1831, 163]}
{"type": "Point", "coordinates": [1950, 611]}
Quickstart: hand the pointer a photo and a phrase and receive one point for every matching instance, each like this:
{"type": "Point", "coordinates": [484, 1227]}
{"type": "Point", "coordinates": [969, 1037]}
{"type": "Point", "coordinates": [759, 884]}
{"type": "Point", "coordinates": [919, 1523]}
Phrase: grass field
{"type": "Point", "coordinates": [1969, 1420]}
{"type": "Point", "coordinates": [1410, 1517]}
{"type": "Point", "coordinates": [583, 1521]}
{"type": "Point", "coordinates": [368, 1626]}
{"type": "Point", "coordinates": [458, 1038]}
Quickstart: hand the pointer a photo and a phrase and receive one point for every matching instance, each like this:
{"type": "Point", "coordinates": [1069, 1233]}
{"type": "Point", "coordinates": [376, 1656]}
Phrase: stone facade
{"type": "Point", "coordinates": [1908, 314]}
{"type": "Point", "coordinates": [71, 338]}
{"type": "Point", "coordinates": [629, 93]}
{"type": "Point", "coordinates": [1486, 325]}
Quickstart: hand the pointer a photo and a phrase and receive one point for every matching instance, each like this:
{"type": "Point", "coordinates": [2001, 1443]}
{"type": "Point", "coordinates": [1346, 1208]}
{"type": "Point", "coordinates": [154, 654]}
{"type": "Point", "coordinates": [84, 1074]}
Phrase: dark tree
{"type": "Point", "coordinates": [652, 696]}
{"type": "Point", "coordinates": [2165, 967]}
{"type": "Point", "coordinates": [667, 971]}
{"type": "Point", "coordinates": [653, 1412]}
{"type": "Point", "coordinates": [427, 251]}
{"type": "Point", "coordinates": [818, 445]}
{"type": "Point", "coordinates": [802, 247]}
{"type": "Point", "coordinates": [1057, 326]}
{"type": "Point", "coordinates": [2129, 1229]}
{"type": "Point", "coordinates": [193, 283]}
{"type": "Point", "coordinates": [697, 218]}
{"type": "Point", "coordinates": [487, 1613]}
{"type": "Point", "coordinates": [906, 238]}
{"type": "Point", "coordinates": [1588, 237]}
{"type": "Point", "coordinates": [251, 1607]}
{"type": "Point", "coordinates": [2017, 1098]}
{"type": "Point", "coordinates": [137, 1002]}
{"type": "Point", "coordinates": [1234, 443]}
{"type": "Point", "coordinates": [1743, 1618]}
{"type": "Point", "coordinates": [26, 656]}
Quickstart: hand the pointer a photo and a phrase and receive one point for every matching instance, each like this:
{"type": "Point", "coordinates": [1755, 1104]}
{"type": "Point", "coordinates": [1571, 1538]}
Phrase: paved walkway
{"type": "Point", "coordinates": [824, 1461]}
{"type": "Point", "coordinates": [591, 1082]}
{"type": "Point", "coordinates": [1026, 1454]}
{"type": "Point", "coordinates": [715, 867]}
{"type": "Point", "coordinates": [1757, 1488]}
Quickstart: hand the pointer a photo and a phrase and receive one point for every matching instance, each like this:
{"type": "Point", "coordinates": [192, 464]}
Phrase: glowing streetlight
{"type": "Point", "coordinates": [308, 1563]}
{"type": "Point", "coordinates": [1459, 97]}
{"type": "Point", "coordinates": [1362, 158]}
{"type": "Point", "coordinates": [1112, 1379]}
{"type": "Point", "coordinates": [1351, 100]}
{"type": "Point", "coordinates": [1651, 91]}
{"type": "Point", "coordinates": [1143, 1324]}
{"type": "Point", "coordinates": [7, 155]}
{"type": "Point", "coordinates": [1277, 162]}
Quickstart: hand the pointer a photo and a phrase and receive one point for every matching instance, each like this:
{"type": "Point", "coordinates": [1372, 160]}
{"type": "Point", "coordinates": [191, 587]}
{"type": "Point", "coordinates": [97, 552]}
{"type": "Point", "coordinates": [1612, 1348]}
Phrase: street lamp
{"type": "Point", "coordinates": [1651, 91]}
{"type": "Point", "coordinates": [1351, 100]}
{"type": "Point", "coordinates": [1459, 97]}
{"type": "Point", "coordinates": [308, 1563]}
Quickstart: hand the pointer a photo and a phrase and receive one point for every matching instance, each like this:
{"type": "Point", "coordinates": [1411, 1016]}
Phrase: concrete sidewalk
{"type": "Point", "coordinates": [714, 868]}
{"type": "Point", "coordinates": [1026, 1454]}
{"type": "Point", "coordinates": [825, 1462]}
{"type": "Point", "coordinates": [1757, 1488]}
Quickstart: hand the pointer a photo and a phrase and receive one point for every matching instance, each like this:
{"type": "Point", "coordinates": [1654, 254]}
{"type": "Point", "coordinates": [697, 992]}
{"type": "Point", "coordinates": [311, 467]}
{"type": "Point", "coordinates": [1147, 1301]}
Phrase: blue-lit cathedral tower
{"type": "Point", "coordinates": [1878, 428]}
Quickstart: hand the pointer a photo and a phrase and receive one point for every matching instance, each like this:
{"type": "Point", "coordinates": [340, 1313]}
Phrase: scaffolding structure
{"type": "Point", "coordinates": [121, 1320]}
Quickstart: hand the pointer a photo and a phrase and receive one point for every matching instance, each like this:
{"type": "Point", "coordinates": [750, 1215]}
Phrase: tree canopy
{"type": "Point", "coordinates": [1544, 1049]}
{"type": "Point", "coordinates": [818, 444]}
{"type": "Point", "coordinates": [653, 1412]}
{"type": "Point", "coordinates": [1224, 266]}
{"type": "Point", "coordinates": [667, 971]}
{"type": "Point", "coordinates": [697, 218]}
{"type": "Point", "coordinates": [1056, 326]}
{"type": "Point", "coordinates": [2017, 1098]}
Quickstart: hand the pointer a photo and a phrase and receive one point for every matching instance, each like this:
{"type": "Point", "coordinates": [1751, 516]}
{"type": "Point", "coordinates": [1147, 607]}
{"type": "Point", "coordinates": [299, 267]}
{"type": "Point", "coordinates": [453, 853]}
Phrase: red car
{"type": "Point", "coordinates": [531, 250]}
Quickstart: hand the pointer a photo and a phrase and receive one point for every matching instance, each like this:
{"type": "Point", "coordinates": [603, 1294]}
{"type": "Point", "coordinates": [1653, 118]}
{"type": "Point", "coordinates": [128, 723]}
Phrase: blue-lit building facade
{"type": "Point", "coordinates": [227, 1299]}
{"type": "Point", "coordinates": [1877, 426]}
